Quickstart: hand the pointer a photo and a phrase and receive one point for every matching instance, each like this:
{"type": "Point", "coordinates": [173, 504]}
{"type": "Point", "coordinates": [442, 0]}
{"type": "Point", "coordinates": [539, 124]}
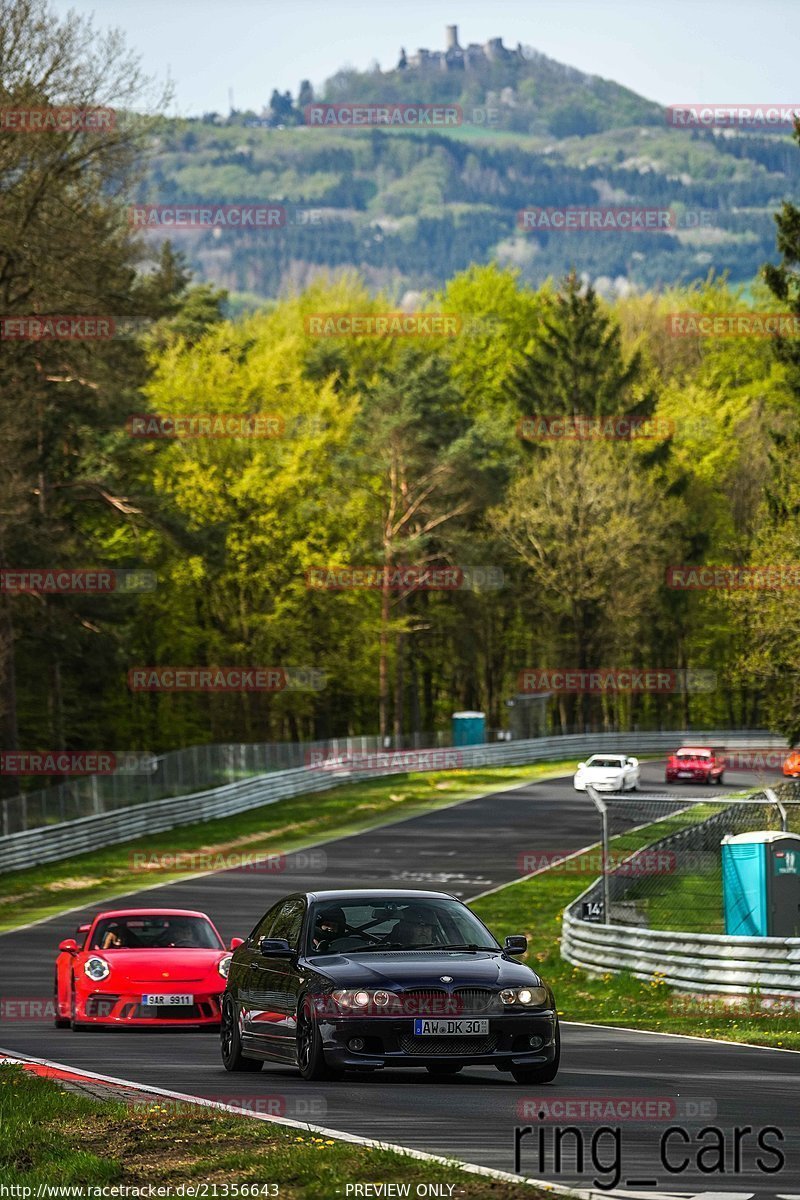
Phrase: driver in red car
{"type": "Point", "coordinates": [114, 937]}
{"type": "Point", "coordinates": [185, 935]}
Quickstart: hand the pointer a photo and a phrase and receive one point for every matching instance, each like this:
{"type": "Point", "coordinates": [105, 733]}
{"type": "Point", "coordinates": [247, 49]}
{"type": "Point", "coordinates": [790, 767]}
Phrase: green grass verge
{"type": "Point", "coordinates": [52, 1136]}
{"type": "Point", "coordinates": [535, 906]}
{"type": "Point", "coordinates": [278, 828]}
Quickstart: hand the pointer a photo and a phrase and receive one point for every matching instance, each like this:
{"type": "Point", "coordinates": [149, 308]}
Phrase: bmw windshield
{"type": "Point", "coordinates": [364, 926]}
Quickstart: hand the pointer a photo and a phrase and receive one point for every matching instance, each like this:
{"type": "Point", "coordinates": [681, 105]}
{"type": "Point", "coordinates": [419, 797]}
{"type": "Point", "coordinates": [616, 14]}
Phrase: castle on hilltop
{"type": "Point", "coordinates": [460, 58]}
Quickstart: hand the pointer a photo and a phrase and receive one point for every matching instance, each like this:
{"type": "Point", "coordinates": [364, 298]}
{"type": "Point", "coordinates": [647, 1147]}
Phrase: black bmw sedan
{"type": "Point", "coordinates": [358, 980]}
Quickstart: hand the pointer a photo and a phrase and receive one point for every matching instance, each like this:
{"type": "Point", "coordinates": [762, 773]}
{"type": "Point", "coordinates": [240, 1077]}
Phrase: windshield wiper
{"type": "Point", "coordinates": [369, 949]}
{"type": "Point", "coordinates": [464, 946]}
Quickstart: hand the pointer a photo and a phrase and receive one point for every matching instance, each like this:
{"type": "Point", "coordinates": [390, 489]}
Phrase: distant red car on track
{"type": "Point", "coordinates": [142, 966]}
{"type": "Point", "coordinates": [791, 766]}
{"type": "Point", "coordinates": [695, 764]}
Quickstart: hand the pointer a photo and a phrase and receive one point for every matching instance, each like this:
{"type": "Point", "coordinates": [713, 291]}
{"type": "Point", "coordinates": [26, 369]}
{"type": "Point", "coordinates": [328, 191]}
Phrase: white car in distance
{"type": "Point", "coordinates": [607, 773]}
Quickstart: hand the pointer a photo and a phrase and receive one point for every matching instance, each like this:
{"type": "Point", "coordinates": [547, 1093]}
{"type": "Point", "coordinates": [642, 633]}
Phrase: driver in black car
{"type": "Point", "coordinates": [329, 926]}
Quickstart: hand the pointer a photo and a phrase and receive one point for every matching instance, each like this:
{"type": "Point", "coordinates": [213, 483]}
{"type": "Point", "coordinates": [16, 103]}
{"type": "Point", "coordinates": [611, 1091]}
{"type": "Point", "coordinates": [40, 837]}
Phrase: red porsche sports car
{"type": "Point", "coordinates": [142, 966]}
{"type": "Point", "coordinates": [695, 764]}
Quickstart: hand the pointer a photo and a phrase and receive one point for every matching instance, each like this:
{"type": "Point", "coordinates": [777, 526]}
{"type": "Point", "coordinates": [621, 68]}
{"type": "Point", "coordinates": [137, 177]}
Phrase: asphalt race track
{"type": "Point", "coordinates": [465, 849]}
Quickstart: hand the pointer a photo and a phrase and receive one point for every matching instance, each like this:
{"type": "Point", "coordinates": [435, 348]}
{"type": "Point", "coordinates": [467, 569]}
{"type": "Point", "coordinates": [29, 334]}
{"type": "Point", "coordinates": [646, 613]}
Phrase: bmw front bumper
{"type": "Point", "coordinates": [391, 1042]}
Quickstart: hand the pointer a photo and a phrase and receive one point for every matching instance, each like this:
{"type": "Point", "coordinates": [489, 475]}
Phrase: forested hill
{"type": "Point", "coordinates": [409, 208]}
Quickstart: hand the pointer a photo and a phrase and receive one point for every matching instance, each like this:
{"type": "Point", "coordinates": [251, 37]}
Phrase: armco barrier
{"type": "Point", "coordinates": [698, 962]}
{"type": "Point", "coordinates": [52, 842]}
{"type": "Point", "coordinates": [701, 962]}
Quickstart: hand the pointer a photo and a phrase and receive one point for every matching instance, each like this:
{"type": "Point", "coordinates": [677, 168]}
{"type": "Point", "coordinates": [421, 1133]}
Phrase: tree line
{"type": "Point", "coordinates": [393, 452]}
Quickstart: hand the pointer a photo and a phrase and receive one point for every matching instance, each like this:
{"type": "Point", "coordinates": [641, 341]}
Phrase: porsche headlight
{"type": "Point", "coordinates": [96, 969]}
{"type": "Point", "coordinates": [224, 965]}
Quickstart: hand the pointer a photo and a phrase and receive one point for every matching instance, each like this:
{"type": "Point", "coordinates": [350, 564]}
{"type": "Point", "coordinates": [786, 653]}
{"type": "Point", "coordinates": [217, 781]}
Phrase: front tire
{"type": "Point", "coordinates": [59, 1021]}
{"type": "Point", "coordinates": [540, 1074]}
{"type": "Point", "coordinates": [231, 1043]}
{"type": "Point", "coordinates": [75, 1026]}
{"type": "Point", "coordinates": [311, 1060]}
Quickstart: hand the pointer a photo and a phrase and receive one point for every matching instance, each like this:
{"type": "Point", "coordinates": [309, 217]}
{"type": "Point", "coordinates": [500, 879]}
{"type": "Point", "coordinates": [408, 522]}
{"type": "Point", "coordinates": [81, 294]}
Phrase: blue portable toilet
{"type": "Point", "coordinates": [761, 883]}
{"type": "Point", "coordinates": [469, 728]}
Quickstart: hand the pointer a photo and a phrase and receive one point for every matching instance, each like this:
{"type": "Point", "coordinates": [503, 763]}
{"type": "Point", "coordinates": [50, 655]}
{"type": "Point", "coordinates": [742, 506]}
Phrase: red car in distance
{"type": "Point", "coordinates": [142, 966]}
{"type": "Point", "coordinates": [695, 764]}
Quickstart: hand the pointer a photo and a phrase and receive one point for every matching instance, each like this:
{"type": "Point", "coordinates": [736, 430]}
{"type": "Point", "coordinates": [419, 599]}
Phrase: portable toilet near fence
{"type": "Point", "coordinates": [469, 728]}
{"type": "Point", "coordinates": [761, 884]}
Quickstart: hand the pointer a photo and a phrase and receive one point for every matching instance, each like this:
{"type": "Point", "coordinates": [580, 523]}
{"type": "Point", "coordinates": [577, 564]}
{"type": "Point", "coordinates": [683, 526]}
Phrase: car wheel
{"type": "Point", "coordinates": [59, 1021]}
{"type": "Point", "coordinates": [74, 1025]}
{"type": "Point", "coordinates": [444, 1069]}
{"type": "Point", "coordinates": [721, 777]}
{"type": "Point", "coordinates": [310, 1054]}
{"type": "Point", "coordinates": [540, 1074]}
{"type": "Point", "coordinates": [231, 1044]}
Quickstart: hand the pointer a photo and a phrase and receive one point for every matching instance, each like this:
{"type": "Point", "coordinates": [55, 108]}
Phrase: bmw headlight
{"type": "Point", "coordinates": [530, 997]}
{"type": "Point", "coordinates": [358, 1000]}
{"type": "Point", "coordinates": [224, 965]}
{"type": "Point", "coordinates": [96, 968]}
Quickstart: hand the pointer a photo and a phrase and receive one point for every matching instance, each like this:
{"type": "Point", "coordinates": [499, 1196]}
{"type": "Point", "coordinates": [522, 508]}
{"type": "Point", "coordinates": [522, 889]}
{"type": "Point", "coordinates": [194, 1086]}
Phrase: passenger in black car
{"type": "Point", "coordinates": [415, 928]}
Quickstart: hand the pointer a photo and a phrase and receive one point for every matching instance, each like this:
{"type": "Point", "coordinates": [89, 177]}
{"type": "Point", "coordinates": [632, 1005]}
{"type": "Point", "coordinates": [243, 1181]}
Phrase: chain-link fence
{"type": "Point", "coordinates": [663, 867]}
{"type": "Point", "coordinates": [182, 772]}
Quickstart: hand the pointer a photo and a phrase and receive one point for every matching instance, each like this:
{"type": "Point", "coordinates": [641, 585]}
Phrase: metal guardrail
{"type": "Point", "coordinates": [50, 843]}
{"type": "Point", "coordinates": [702, 962]}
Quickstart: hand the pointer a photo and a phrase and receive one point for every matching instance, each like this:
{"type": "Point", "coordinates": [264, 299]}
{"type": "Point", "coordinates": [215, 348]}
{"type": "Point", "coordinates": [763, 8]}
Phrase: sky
{"type": "Point", "coordinates": [738, 51]}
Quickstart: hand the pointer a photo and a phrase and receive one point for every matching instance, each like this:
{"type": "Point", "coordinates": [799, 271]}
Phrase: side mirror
{"type": "Point", "coordinates": [69, 946]}
{"type": "Point", "coordinates": [236, 942]}
{"type": "Point", "coordinates": [516, 944]}
{"type": "Point", "coordinates": [275, 948]}
{"type": "Point", "coordinates": [633, 762]}
{"type": "Point", "coordinates": [580, 766]}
